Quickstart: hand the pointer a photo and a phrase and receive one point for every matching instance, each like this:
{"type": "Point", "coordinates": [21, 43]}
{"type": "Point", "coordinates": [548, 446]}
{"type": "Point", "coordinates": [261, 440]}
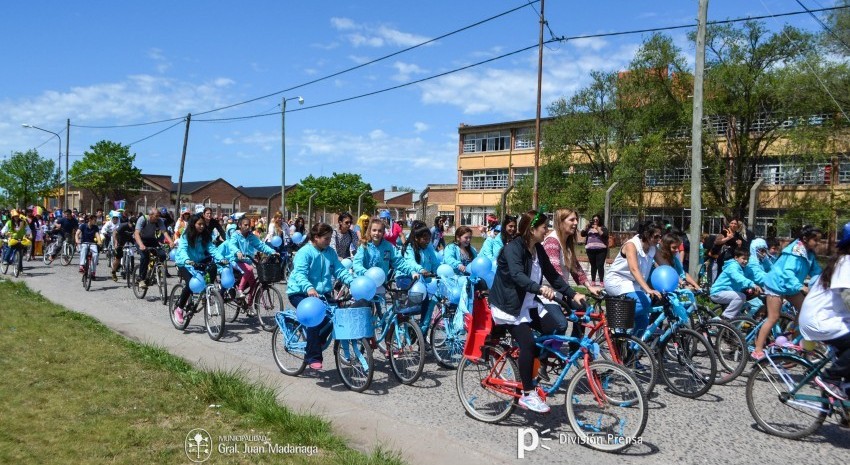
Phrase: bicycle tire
{"type": "Point", "coordinates": [139, 292]}
{"type": "Point", "coordinates": [234, 304]}
{"type": "Point", "coordinates": [161, 283]}
{"type": "Point", "coordinates": [473, 392]}
{"type": "Point", "coordinates": [603, 429]}
{"type": "Point", "coordinates": [354, 363]}
{"type": "Point", "coordinates": [173, 298]}
{"type": "Point", "coordinates": [730, 349]}
{"type": "Point", "coordinates": [267, 302]}
{"type": "Point", "coordinates": [289, 349]}
{"type": "Point", "coordinates": [19, 265]}
{"type": "Point", "coordinates": [213, 314]}
{"type": "Point", "coordinates": [688, 370]}
{"type": "Point", "coordinates": [765, 389]}
{"type": "Point", "coordinates": [86, 277]}
{"type": "Point", "coordinates": [47, 250]}
{"type": "Point", "coordinates": [67, 254]}
{"type": "Point", "coordinates": [406, 351]}
{"type": "Point", "coordinates": [5, 267]}
{"type": "Point", "coordinates": [447, 341]}
{"type": "Point", "coordinates": [633, 354]}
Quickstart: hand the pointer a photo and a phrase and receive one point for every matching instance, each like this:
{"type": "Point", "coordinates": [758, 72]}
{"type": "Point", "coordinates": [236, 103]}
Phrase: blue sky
{"type": "Point", "coordinates": [107, 63]}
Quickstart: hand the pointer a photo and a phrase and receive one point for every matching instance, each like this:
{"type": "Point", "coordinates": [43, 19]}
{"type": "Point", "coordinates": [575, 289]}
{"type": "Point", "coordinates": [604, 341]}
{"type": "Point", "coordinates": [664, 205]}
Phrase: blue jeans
{"type": "Point", "coordinates": [642, 309]}
{"type": "Point", "coordinates": [9, 251]}
{"type": "Point", "coordinates": [316, 338]}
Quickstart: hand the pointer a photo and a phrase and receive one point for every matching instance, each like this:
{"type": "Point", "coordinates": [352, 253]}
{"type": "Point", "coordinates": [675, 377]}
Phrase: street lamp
{"type": "Point", "coordinates": [60, 157]}
{"type": "Point", "coordinates": [283, 152]}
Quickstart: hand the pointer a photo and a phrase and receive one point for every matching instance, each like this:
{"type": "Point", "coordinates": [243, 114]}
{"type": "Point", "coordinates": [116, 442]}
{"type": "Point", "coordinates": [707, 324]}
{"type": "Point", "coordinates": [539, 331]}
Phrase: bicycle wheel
{"type": "Point", "coordinates": [354, 363]}
{"type": "Point", "coordinates": [771, 405]}
{"type": "Point", "coordinates": [19, 264]}
{"type": "Point", "coordinates": [447, 341]}
{"type": "Point", "coordinates": [487, 402]}
{"type": "Point", "coordinates": [213, 314]}
{"type": "Point", "coordinates": [161, 283]}
{"type": "Point", "coordinates": [47, 250]}
{"type": "Point", "coordinates": [607, 410]}
{"type": "Point", "coordinates": [730, 348]}
{"type": "Point", "coordinates": [5, 266]}
{"type": "Point", "coordinates": [138, 291]}
{"type": "Point", "coordinates": [633, 354]}
{"type": "Point", "coordinates": [172, 304]}
{"type": "Point", "coordinates": [406, 351]}
{"type": "Point", "coordinates": [267, 302]}
{"type": "Point", "coordinates": [289, 347]}
{"type": "Point", "coordinates": [86, 277]}
{"type": "Point", "coordinates": [67, 254]}
{"type": "Point", "coordinates": [234, 305]}
{"type": "Point", "coordinates": [687, 363]}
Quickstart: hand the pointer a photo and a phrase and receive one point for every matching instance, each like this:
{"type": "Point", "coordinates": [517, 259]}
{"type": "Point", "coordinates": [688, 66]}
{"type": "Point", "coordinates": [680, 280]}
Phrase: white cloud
{"type": "Point", "coordinates": [592, 43]}
{"type": "Point", "coordinates": [162, 63]}
{"type": "Point", "coordinates": [405, 70]}
{"type": "Point", "coordinates": [374, 36]}
{"type": "Point", "coordinates": [343, 24]}
{"type": "Point", "coordinates": [420, 126]}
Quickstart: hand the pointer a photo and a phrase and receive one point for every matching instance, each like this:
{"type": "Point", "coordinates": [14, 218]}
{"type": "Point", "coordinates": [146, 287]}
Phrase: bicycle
{"type": "Point", "coordinates": [266, 300]}
{"type": "Point", "coordinates": [687, 361]}
{"type": "Point", "coordinates": [403, 340]}
{"type": "Point", "coordinates": [68, 251]}
{"type": "Point", "coordinates": [155, 275]}
{"type": "Point", "coordinates": [87, 266]}
{"type": "Point", "coordinates": [605, 405]}
{"type": "Point", "coordinates": [209, 299]}
{"type": "Point", "coordinates": [17, 257]}
{"type": "Point", "coordinates": [783, 399]}
{"type": "Point", "coordinates": [444, 324]}
{"type": "Point", "coordinates": [127, 266]}
{"type": "Point", "coordinates": [352, 351]}
{"type": "Point", "coordinates": [49, 248]}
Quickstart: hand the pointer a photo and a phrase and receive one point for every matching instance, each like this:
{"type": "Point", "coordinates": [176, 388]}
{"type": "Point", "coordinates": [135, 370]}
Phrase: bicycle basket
{"type": "Point", "coordinates": [353, 323]}
{"type": "Point", "coordinates": [269, 271]}
{"type": "Point", "coordinates": [620, 312]}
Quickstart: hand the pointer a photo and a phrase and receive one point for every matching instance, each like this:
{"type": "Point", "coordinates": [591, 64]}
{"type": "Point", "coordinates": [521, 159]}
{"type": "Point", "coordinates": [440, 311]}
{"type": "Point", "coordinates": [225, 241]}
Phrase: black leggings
{"type": "Point", "coordinates": [186, 276]}
{"type": "Point", "coordinates": [551, 323]}
{"type": "Point", "coordinates": [841, 367]}
{"type": "Point", "coordinates": [597, 257]}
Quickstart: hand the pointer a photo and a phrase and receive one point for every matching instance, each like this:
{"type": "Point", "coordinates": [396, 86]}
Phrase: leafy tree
{"type": "Point", "coordinates": [107, 171]}
{"type": "Point", "coordinates": [336, 193]}
{"type": "Point", "coordinates": [27, 177]}
{"type": "Point", "coordinates": [838, 36]}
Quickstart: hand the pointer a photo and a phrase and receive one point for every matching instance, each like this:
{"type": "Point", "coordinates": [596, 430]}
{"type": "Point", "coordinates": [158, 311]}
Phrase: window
{"type": "Point", "coordinates": [487, 141]}
{"type": "Point", "coordinates": [484, 179]}
{"type": "Point", "coordinates": [844, 171]}
{"type": "Point", "coordinates": [521, 173]}
{"type": "Point", "coordinates": [524, 138]}
{"type": "Point", "coordinates": [147, 188]}
{"type": "Point", "coordinates": [258, 209]}
{"type": "Point", "coordinates": [595, 180]}
{"type": "Point", "coordinates": [666, 177]}
{"type": "Point", "coordinates": [475, 216]}
{"type": "Point", "coordinates": [794, 174]}
{"type": "Point", "coordinates": [449, 216]}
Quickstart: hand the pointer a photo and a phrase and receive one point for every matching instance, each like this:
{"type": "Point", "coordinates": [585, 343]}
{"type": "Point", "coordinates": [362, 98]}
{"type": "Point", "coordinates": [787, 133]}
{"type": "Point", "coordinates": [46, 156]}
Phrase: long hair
{"type": "Point", "coordinates": [459, 232]}
{"type": "Point", "coordinates": [567, 242]}
{"type": "Point", "coordinates": [437, 223]}
{"type": "Point", "coordinates": [366, 237]}
{"type": "Point", "coordinates": [299, 225]}
{"type": "Point", "coordinates": [648, 229]}
{"type": "Point", "coordinates": [504, 234]}
{"type": "Point", "coordinates": [192, 233]}
{"type": "Point", "coordinates": [527, 222]}
{"type": "Point", "coordinates": [418, 232]}
{"type": "Point", "coordinates": [663, 251]}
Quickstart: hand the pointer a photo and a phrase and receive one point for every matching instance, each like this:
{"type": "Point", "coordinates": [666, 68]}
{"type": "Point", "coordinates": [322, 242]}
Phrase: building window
{"type": "Point", "coordinates": [595, 180]}
{"type": "Point", "coordinates": [258, 209]}
{"type": "Point", "coordinates": [666, 177]}
{"type": "Point", "coordinates": [844, 171]}
{"type": "Point", "coordinates": [475, 216]}
{"type": "Point", "coordinates": [522, 173]}
{"type": "Point", "coordinates": [147, 188]}
{"type": "Point", "coordinates": [449, 216]}
{"type": "Point", "coordinates": [794, 174]}
{"type": "Point", "coordinates": [484, 179]}
{"type": "Point", "coordinates": [493, 141]}
{"type": "Point", "coordinates": [524, 138]}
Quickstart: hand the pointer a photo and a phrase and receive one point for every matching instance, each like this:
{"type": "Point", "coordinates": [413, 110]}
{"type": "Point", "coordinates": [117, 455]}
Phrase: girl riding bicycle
{"type": "Point", "coordinates": [507, 231]}
{"type": "Point", "coordinates": [522, 265]}
{"type": "Point", "coordinates": [195, 250]}
{"type": "Point", "coordinates": [728, 288]}
{"type": "Point", "coordinates": [460, 253]}
{"type": "Point", "coordinates": [418, 252]}
{"type": "Point", "coordinates": [761, 259]}
{"type": "Point", "coordinates": [375, 250]}
{"type": "Point", "coordinates": [668, 254]}
{"type": "Point", "coordinates": [315, 266]}
{"type": "Point", "coordinates": [825, 316]}
{"type": "Point", "coordinates": [16, 229]}
{"type": "Point", "coordinates": [785, 280]}
{"type": "Point", "coordinates": [241, 246]}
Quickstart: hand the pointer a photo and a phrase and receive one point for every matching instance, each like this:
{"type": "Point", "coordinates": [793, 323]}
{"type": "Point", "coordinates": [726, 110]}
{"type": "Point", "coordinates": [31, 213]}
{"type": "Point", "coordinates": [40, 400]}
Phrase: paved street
{"type": "Point", "coordinates": [426, 421]}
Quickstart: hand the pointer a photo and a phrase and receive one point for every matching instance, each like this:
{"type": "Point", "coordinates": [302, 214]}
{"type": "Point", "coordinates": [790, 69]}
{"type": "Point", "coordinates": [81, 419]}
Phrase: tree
{"type": "Point", "coordinates": [27, 177]}
{"type": "Point", "coordinates": [107, 171]}
{"type": "Point", "coordinates": [838, 35]}
{"type": "Point", "coordinates": [337, 193]}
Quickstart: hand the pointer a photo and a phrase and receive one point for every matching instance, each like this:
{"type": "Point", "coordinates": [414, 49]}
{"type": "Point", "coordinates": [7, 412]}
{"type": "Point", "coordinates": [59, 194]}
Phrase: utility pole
{"type": "Point", "coordinates": [67, 166]}
{"type": "Point", "coordinates": [534, 197]}
{"type": "Point", "coordinates": [696, 143]}
{"type": "Point", "coordinates": [182, 164]}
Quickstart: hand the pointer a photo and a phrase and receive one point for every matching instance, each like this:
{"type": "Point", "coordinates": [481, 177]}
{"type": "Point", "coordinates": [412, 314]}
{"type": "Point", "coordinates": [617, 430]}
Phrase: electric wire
{"type": "Point", "coordinates": [156, 133]}
{"type": "Point", "coordinates": [824, 26]}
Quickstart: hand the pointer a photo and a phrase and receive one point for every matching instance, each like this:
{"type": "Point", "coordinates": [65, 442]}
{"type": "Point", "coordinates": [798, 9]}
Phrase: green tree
{"type": "Point", "coordinates": [27, 177]}
{"type": "Point", "coordinates": [838, 35]}
{"type": "Point", "coordinates": [108, 171]}
{"type": "Point", "coordinates": [337, 193]}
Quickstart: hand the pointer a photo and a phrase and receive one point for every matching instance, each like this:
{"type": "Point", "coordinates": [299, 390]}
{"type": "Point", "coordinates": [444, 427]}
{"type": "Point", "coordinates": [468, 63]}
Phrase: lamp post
{"type": "Point", "coordinates": [59, 166]}
{"type": "Point", "coordinates": [283, 152]}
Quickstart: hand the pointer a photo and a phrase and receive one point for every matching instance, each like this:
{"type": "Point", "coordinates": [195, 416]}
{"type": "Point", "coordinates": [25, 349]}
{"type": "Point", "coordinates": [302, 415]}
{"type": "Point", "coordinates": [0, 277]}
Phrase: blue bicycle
{"type": "Point", "coordinates": [444, 323]}
{"type": "Point", "coordinates": [397, 333]}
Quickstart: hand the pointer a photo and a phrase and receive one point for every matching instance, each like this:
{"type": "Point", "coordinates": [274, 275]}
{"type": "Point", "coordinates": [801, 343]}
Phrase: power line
{"type": "Point", "coordinates": [155, 134]}
{"type": "Point", "coordinates": [824, 26]}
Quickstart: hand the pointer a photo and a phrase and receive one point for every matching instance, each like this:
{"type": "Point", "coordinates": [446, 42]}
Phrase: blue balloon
{"type": "Point", "coordinates": [347, 263]}
{"type": "Point", "coordinates": [480, 266]}
{"type": "Point", "coordinates": [310, 312]}
{"type": "Point", "coordinates": [227, 278]}
{"type": "Point", "coordinates": [297, 237]}
{"type": "Point", "coordinates": [172, 254]}
{"type": "Point", "coordinates": [377, 275]}
{"type": "Point", "coordinates": [489, 279]}
{"type": "Point", "coordinates": [417, 292]}
{"type": "Point", "coordinates": [454, 294]}
{"type": "Point", "coordinates": [276, 241]}
{"type": "Point", "coordinates": [363, 288]}
{"type": "Point", "coordinates": [445, 271]}
{"type": "Point", "coordinates": [197, 285]}
{"type": "Point", "coordinates": [664, 279]}
{"type": "Point", "coordinates": [431, 287]}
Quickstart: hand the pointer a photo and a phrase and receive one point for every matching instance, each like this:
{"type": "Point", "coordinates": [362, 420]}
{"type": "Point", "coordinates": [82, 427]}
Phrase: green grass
{"type": "Point", "coordinates": [73, 391]}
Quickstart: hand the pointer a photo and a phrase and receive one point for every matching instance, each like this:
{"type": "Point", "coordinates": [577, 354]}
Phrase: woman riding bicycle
{"type": "Point", "coordinates": [88, 236]}
{"type": "Point", "coordinates": [630, 271]}
{"type": "Point", "coordinates": [522, 265]}
{"type": "Point", "coordinates": [785, 280]}
{"type": "Point", "coordinates": [493, 245]}
{"type": "Point", "coordinates": [460, 253]}
{"type": "Point", "coordinates": [241, 246]}
{"type": "Point", "coordinates": [315, 265]}
{"type": "Point", "coordinates": [825, 316]}
{"type": "Point", "coordinates": [16, 229]}
{"type": "Point", "coordinates": [196, 250]}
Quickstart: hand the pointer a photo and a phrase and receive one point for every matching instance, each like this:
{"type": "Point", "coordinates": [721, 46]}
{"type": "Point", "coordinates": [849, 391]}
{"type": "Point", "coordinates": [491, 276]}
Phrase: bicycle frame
{"type": "Point", "coordinates": [803, 400]}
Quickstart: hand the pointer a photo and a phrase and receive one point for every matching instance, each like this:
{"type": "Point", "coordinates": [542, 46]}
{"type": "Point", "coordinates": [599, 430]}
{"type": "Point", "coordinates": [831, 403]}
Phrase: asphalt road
{"type": "Point", "coordinates": [426, 421]}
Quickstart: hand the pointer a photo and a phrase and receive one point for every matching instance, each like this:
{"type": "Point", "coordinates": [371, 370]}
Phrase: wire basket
{"type": "Point", "coordinates": [620, 312]}
{"type": "Point", "coordinates": [269, 271]}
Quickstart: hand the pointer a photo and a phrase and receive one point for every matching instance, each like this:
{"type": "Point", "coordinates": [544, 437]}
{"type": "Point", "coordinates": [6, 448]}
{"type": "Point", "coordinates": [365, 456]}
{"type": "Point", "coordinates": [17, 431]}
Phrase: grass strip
{"type": "Point", "coordinates": [73, 391]}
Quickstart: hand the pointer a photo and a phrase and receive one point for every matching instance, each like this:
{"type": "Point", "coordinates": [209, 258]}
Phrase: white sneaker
{"type": "Point", "coordinates": [533, 402]}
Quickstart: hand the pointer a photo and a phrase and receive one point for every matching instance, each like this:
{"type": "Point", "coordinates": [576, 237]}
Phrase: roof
{"type": "Point", "coordinates": [262, 192]}
{"type": "Point", "coordinates": [464, 128]}
{"type": "Point", "coordinates": [191, 186]}
{"type": "Point", "coordinates": [391, 195]}
{"type": "Point", "coordinates": [442, 186]}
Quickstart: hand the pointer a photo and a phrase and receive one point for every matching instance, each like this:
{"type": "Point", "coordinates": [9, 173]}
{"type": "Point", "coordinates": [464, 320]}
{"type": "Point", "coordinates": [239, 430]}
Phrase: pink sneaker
{"type": "Point", "coordinates": [178, 315]}
{"type": "Point", "coordinates": [316, 366]}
